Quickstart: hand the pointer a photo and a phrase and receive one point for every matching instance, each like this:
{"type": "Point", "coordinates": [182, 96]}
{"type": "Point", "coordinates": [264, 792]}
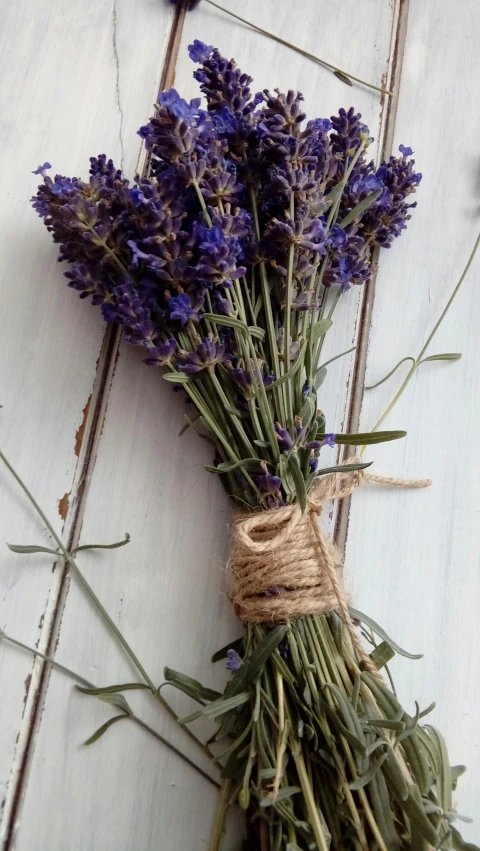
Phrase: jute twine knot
{"type": "Point", "coordinates": [282, 566]}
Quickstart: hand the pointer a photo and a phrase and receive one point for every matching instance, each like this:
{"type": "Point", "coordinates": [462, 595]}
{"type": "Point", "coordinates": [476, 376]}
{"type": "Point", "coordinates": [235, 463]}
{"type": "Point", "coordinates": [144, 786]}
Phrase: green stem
{"type": "Point", "coordinates": [202, 203]}
{"type": "Point", "coordinates": [220, 818]}
{"type": "Point", "coordinates": [286, 324]}
{"type": "Point", "coordinates": [302, 51]}
{"type": "Point", "coordinates": [272, 337]}
{"type": "Point", "coordinates": [416, 363]}
{"type": "Point", "coordinates": [321, 340]}
{"type": "Point", "coordinates": [237, 425]}
{"type": "Point", "coordinates": [307, 791]}
{"type": "Point", "coordinates": [83, 582]}
{"type": "Point", "coordinates": [79, 679]}
{"type": "Point", "coordinates": [101, 609]}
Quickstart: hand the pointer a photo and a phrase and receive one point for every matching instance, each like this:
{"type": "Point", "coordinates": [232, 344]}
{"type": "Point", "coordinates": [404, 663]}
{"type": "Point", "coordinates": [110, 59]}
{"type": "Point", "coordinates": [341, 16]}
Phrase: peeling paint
{"type": "Point", "coordinates": [28, 680]}
{"type": "Point", "coordinates": [63, 504]}
{"type": "Point", "coordinates": [81, 428]}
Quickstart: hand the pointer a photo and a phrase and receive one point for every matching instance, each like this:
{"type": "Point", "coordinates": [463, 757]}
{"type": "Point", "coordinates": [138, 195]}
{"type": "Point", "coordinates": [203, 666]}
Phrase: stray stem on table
{"type": "Point", "coordinates": [67, 556]}
{"type": "Point", "coordinates": [338, 71]}
{"type": "Point", "coordinates": [417, 361]}
{"type": "Point", "coordinates": [87, 684]}
{"type": "Point", "coordinates": [220, 817]}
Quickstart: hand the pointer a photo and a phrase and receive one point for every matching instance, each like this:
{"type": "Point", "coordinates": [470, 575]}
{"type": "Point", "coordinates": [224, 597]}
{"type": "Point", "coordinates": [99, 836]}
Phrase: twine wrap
{"type": "Point", "coordinates": [282, 566]}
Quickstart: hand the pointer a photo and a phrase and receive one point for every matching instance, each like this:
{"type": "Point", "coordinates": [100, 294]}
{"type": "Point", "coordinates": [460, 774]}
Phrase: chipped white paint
{"type": "Point", "coordinates": [94, 67]}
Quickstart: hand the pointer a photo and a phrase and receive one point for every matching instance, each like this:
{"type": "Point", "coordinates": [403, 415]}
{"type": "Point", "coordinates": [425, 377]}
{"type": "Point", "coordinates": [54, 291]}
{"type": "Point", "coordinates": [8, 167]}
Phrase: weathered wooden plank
{"type": "Point", "coordinates": [166, 590]}
{"type": "Point", "coordinates": [77, 79]}
{"type": "Point", "coordinates": [420, 576]}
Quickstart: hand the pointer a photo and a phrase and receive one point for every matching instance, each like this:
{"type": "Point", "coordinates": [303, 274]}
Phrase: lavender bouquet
{"type": "Point", "coordinates": [225, 266]}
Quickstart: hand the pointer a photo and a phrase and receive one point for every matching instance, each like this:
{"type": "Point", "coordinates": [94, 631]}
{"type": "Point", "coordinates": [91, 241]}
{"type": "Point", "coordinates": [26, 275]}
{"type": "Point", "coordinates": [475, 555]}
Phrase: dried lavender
{"type": "Point", "coordinates": [225, 267]}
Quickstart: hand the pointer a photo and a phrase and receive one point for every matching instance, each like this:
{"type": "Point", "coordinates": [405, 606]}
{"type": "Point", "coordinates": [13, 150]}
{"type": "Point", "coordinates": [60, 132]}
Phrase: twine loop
{"type": "Point", "coordinates": [282, 566]}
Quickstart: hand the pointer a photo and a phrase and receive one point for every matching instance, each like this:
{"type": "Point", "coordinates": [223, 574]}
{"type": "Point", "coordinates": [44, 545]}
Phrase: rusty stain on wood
{"type": "Point", "coordinates": [81, 428]}
{"type": "Point", "coordinates": [63, 504]}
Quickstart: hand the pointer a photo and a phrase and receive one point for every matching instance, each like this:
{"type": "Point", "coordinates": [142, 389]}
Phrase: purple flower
{"type": "Point", "coordinates": [199, 51]}
{"type": "Point", "coordinates": [42, 169]}
{"type": "Point", "coordinates": [284, 438]}
{"type": "Point", "coordinates": [161, 355]}
{"type": "Point", "coordinates": [240, 377]}
{"type": "Point", "coordinates": [136, 252]}
{"type": "Point", "coordinates": [233, 661]}
{"type": "Point", "coordinates": [207, 354]}
{"type": "Point", "coordinates": [180, 307]}
{"type": "Point", "coordinates": [269, 484]}
{"type": "Point", "coordinates": [406, 152]}
{"type": "Point", "coordinates": [327, 440]}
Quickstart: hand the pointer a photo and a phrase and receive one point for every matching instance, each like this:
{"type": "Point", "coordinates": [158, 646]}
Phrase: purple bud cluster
{"type": "Point", "coordinates": [243, 185]}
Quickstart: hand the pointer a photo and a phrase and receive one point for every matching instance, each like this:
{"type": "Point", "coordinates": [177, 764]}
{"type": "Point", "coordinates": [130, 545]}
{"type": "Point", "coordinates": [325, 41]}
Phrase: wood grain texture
{"type": "Point", "coordinates": [413, 557]}
{"type": "Point", "coordinates": [166, 590]}
{"type": "Point", "coordinates": [77, 80]}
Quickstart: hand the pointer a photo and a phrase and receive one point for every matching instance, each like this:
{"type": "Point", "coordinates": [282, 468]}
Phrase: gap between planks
{"type": "Point", "coordinates": [391, 80]}
{"type": "Point", "coordinates": [89, 440]}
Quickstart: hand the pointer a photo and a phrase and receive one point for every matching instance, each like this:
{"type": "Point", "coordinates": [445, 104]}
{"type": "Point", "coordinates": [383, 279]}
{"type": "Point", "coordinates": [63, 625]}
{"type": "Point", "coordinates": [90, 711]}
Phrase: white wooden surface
{"type": "Point", "coordinates": [421, 576]}
{"type": "Point", "coordinates": [87, 80]}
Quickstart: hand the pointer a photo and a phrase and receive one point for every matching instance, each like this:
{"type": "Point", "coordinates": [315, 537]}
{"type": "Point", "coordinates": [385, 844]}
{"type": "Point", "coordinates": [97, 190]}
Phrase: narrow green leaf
{"type": "Point", "coordinates": [337, 357]}
{"type": "Point", "coordinates": [342, 468]}
{"type": "Point", "coordinates": [177, 377]}
{"type": "Point", "coordinates": [368, 438]}
{"type": "Point", "coordinates": [27, 550]}
{"type": "Point", "coordinates": [282, 794]}
{"type": "Point", "coordinates": [386, 724]}
{"type": "Point", "coordinates": [291, 372]}
{"type": "Point", "coordinates": [103, 729]}
{"type": "Point", "coordinates": [459, 844]}
{"type": "Point", "coordinates": [359, 616]}
{"type": "Point", "coordinates": [299, 481]}
{"type": "Point", "coordinates": [242, 415]}
{"type": "Point", "coordinates": [456, 771]}
{"type": "Point", "coordinates": [222, 653]}
{"type": "Point", "coordinates": [112, 689]}
{"type": "Point", "coordinates": [251, 667]}
{"type": "Point", "coordinates": [320, 376]}
{"type": "Point", "coordinates": [190, 686]}
{"type": "Point", "coordinates": [427, 711]}
{"type": "Point", "coordinates": [382, 654]}
{"type": "Point", "coordinates": [115, 699]}
{"type": "Point", "coordinates": [283, 472]}
{"type": "Point", "coordinates": [343, 78]}
{"type": "Point", "coordinates": [232, 322]}
{"type": "Point", "coordinates": [320, 328]}
{"type": "Point", "coordinates": [360, 208]}
{"type": "Point", "coordinates": [308, 410]}
{"type": "Point", "coordinates": [445, 356]}
{"type": "Point", "coordinates": [336, 192]}
{"type": "Point", "coordinates": [264, 444]}
{"type": "Point", "coordinates": [115, 546]}
{"type": "Point", "coordinates": [444, 780]}
{"type": "Point", "coordinates": [362, 781]}
{"type": "Point", "coordinates": [227, 467]}
{"type": "Point", "coordinates": [218, 707]}
{"type": "Point", "coordinates": [389, 375]}
{"type": "Point", "coordinates": [189, 422]}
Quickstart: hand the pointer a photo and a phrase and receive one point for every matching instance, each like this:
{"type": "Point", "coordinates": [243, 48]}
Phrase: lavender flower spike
{"type": "Point", "coordinates": [233, 661]}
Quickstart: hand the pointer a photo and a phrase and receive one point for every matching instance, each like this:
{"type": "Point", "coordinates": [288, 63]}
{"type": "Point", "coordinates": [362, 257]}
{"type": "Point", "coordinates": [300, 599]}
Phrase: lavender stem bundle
{"type": "Point", "coordinates": [225, 267]}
